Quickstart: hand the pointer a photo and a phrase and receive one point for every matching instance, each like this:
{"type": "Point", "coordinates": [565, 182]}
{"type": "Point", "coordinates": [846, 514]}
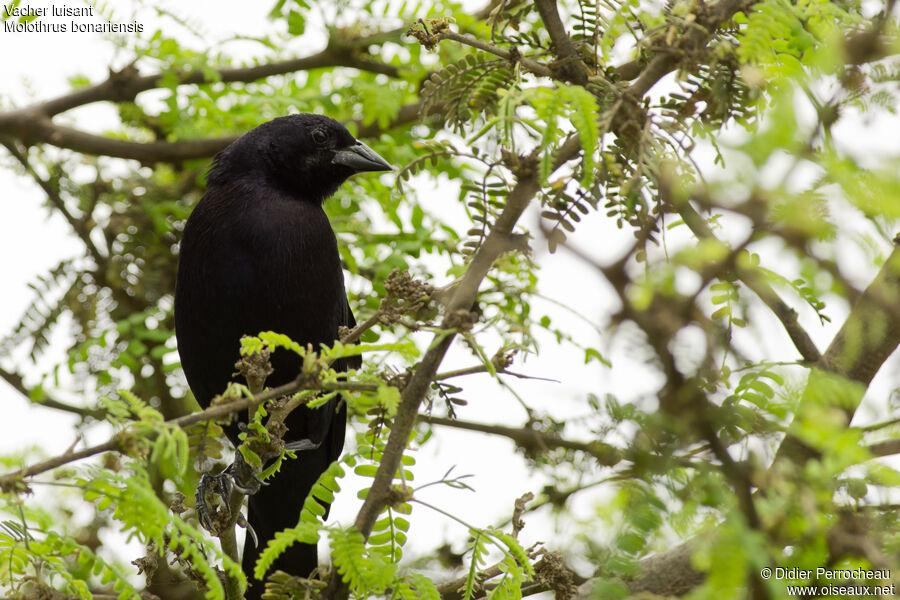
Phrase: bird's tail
{"type": "Point", "coordinates": [277, 507]}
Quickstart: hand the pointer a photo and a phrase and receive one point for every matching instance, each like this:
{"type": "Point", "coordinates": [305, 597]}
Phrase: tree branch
{"type": "Point", "coordinates": [301, 382]}
{"type": "Point", "coordinates": [709, 16]}
{"type": "Point", "coordinates": [462, 299]}
{"type": "Point", "coordinates": [868, 336]}
{"type": "Point", "coordinates": [35, 128]}
{"type": "Point", "coordinates": [625, 71]}
{"type": "Point", "coordinates": [533, 66]}
{"type": "Point", "coordinates": [78, 226]}
{"type": "Point", "coordinates": [464, 294]}
{"type": "Point", "coordinates": [8, 481]}
{"type": "Point", "coordinates": [34, 124]}
{"type": "Point", "coordinates": [453, 589]}
{"type": "Point", "coordinates": [532, 440]}
{"type": "Point", "coordinates": [571, 67]}
{"type": "Point", "coordinates": [418, 385]}
{"type": "Point", "coordinates": [125, 85]}
{"type": "Point", "coordinates": [885, 448]}
{"type": "Point", "coordinates": [216, 411]}
{"type": "Point", "coordinates": [871, 332]}
{"type": "Point", "coordinates": [753, 280]}
{"type": "Point", "coordinates": [18, 383]}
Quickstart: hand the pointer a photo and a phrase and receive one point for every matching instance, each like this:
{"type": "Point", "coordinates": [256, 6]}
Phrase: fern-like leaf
{"type": "Point", "coordinates": [584, 119]}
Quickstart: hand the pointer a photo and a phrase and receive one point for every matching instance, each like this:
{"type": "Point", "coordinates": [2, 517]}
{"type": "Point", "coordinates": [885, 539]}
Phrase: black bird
{"type": "Point", "coordinates": [259, 254]}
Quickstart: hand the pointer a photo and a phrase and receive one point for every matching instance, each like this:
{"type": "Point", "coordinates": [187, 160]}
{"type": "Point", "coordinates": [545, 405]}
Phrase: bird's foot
{"type": "Point", "coordinates": [243, 475]}
{"type": "Point", "coordinates": [214, 491]}
{"type": "Point", "coordinates": [214, 494]}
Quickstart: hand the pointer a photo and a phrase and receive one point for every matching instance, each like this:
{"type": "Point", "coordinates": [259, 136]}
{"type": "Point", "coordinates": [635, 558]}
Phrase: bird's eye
{"type": "Point", "coordinates": [319, 136]}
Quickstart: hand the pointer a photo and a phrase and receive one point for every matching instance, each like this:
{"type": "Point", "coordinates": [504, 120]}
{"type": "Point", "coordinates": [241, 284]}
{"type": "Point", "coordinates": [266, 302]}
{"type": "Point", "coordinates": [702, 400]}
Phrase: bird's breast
{"type": "Point", "coordinates": [265, 266]}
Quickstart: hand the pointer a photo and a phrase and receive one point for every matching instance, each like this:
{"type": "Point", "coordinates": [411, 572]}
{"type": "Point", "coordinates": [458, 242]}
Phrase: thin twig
{"type": "Point", "coordinates": [533, 66]}
{"type": "Point", "coordinates": [354, 334]}
{"type": "Point", "coordinates": [885, 448]}
{"type": "Point", "coordinates": [531, 439]}
{"type": "Point", "coordinates": [753, 280]}
{"type": "Point", "coordinates": [483, 369]}
{"type": "Point", "coordinates": [18, 383]}
{"type": "Point", "coordinates": [216, 411]}
{"type": "Point", "coordinates": [81, 229]}
{"type": "Point", "coordinates": [7, 481]}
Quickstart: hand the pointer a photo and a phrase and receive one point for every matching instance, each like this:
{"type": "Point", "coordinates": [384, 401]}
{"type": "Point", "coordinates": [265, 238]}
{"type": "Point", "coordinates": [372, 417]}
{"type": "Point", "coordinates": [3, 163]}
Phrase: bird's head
{"type": "Point", "coordinates": [307, 155]}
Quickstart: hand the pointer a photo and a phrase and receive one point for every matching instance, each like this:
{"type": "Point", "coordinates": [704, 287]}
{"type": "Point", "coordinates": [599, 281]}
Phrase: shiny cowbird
{"type": "Point", "coordinates": [259, 254]}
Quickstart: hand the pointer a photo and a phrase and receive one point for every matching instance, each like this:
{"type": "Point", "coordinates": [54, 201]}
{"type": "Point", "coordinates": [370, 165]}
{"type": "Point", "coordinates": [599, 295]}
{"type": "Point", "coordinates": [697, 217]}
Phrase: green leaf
{"type": "Point", "coordinates": [296, 23]}
{"type": "Point", "coordinates": [584, 118]}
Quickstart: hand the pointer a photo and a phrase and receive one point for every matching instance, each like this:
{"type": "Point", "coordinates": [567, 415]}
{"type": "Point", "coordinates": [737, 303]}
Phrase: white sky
{"type": "Point", "coordinates": [30, 243]}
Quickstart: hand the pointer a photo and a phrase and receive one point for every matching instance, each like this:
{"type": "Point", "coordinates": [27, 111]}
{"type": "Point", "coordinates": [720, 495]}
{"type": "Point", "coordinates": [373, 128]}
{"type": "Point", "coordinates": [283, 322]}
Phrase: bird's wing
{"type": "Point", "coordinates": [339, 422]}
{"type": "Point", "coordinates": [349, 321]}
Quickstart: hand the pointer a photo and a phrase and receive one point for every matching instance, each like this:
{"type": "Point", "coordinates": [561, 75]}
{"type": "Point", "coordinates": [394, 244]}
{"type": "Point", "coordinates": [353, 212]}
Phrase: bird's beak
{"type": "Point", "coordinates": [360, 157]}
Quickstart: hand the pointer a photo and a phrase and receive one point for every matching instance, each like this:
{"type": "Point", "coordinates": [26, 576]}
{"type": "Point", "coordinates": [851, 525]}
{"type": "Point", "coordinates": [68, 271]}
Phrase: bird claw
{"type": "Point", "coordinates": [238, 475]}
{"type": "Point", "coordinates": [244, 476]}
{"type": "Point", "coordinates": [242, 521]}
{"type": "Point", "coordinates": [219, 486]}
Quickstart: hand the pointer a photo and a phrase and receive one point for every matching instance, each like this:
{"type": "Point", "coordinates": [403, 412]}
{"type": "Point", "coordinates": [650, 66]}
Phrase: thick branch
{"type": "Point", "coordinates": [36, 128]}
{"type": "Point", "coordinates": [462, 299]}
{"type": "Point", "coordinates": [571, 68]}
{"type": "Point", "coordinates": [869, 335]}
{"type": "Point", "coordinates": [34, 124]}
{"type": "Point", "coordinates": [414, 392]}
{"type": "Point", "coordinates": [871, 332]}
{"type": "Point", "coordinates": [32, 127]}
{"type": "Point", "coordinates": [669, 573]}
{"type": "Point", "coordinates": [125, 85]}
{"type": "Point", "coordinates": [39, 129]}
